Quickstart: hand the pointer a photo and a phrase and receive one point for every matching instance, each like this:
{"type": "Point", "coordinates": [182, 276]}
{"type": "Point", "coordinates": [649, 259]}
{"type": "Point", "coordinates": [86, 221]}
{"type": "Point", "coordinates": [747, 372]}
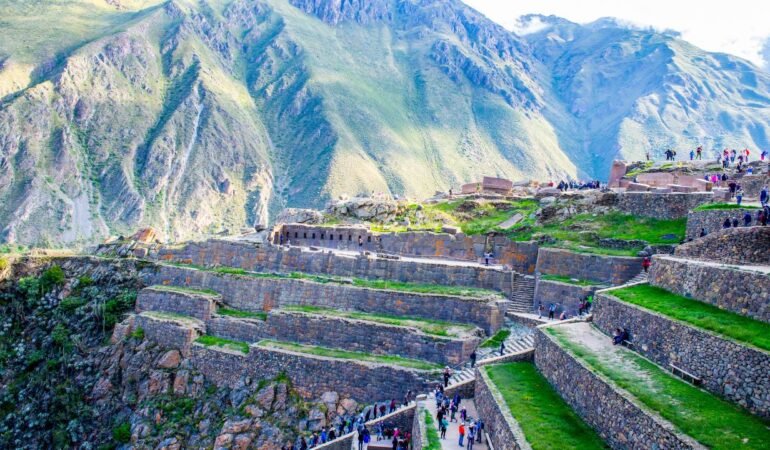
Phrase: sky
{"type": "Point", "coordinates": [738, 27]}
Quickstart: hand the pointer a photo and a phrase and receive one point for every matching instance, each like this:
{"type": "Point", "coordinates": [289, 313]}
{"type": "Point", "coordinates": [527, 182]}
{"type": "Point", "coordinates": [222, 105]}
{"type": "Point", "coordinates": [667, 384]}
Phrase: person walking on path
{"type": "Point", "coordinates": [502, 348]}
{"type": "Point", "coordinates": [461, 430]}
{"type": "Point", "coordinates": [444, 426]}
{"type": "Point", "coordinates": [646, 263]}
{"type": "Point", "coordinates": [540, 310]}
{"type": "Point", "coordinates": [447, 375]}
{"type": "Point", "coordinates": [739, 195]}
{"type": "Point", "coordinates": [471, 436]}
{"type": "Point", "coordinates": [473, 359]}
{"type": "Point", "coordinates": [479, 429]}
{"type": "Point", "coordinates": [551, 311]}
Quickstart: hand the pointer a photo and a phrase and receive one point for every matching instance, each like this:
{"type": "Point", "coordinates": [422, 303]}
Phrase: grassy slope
{"type": "Point", "coordinates": [708, 419]}
{"type": "Point", "coordinates": [213, 341]}
{"type": "Point", "coordinates": [494, 341]}
{"type": "Point", "coordinates": [428, 326]}
{"type": "Point", "coordinates": [547, 421]}
{"type": "Point", "coordinates": [725, 206]}
{"type": "Point", "coordinates": [698, 314]}
{"type": "Point", "coordinates": [344, 354]}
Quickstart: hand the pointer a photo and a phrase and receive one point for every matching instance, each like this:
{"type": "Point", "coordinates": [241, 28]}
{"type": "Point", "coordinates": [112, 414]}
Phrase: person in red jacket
{"type": "Point", "coordinates": [646, 263]}
{"type": "Point", "coordinates": [462, 432]}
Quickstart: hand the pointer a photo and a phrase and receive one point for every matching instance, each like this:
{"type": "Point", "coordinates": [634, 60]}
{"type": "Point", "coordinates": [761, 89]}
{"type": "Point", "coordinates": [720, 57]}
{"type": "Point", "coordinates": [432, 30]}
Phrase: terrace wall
{"type": "Point", "coordinates": [311, 376]}
{"type": "Point", "coordinates": [712, 220]}
{"type": "Point", "coordinates": [732, 245]}
{"type": "Point", "coordinates": [269, 258]}
{"type": "Point", "coordinates": [566, 295]}
{"type": "Point", "coordinates": [613, 413]}
{"type": "Point", "coordinates": [499, 424]}
{"type": "Point", "coordinates": [661, 205]}
{"type": "Point", "coordinates": [199, 306]}
{"type": "Point", "coordinates": [736, 372]}
{"type": "Point", "coordinates": [264, 294]}
{"type": "Point", "coordinates": [169, 333]}
{"type": "Point", "coordinates": [740, 290]}
{"type": "Point", "coordinates": [521, 256]}
{"type": "Point", "coordinates": [614, 270]}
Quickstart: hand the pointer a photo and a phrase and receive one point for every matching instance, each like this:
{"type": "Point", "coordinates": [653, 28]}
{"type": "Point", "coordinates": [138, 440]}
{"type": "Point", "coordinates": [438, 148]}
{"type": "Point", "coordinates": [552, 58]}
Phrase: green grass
{"type": "Point", "coordinates": [494, 341]}
{"type": "Point", "coordinates": [428, 326]}
{"type": "Point", "coordinates": [170, 316]}
{"type": "Point", "coordinates": [345, 354]}
{"type": "Point", "coordinates": [418, 288]}
{"type": "Point", "coordinates": [582, 232]}
{"type": "Point", "coordinates": [434, 440]}
{"type": "Point", "coordinates": [699, 314]}
{"type": "Point", "coordinates": [213, 341]}
{"type": "Point", "coordinates": [237, 313]}
{"type": "Point", "coordinates": [547, 421]}
{"type": "Point", "coordinates": [705, 417]}
{"type": "Point", "coordinates": [185, 290]}
{"type": "Point", "coordinates": [569, 280]}
{"type": "Point", "coordinates": [723, 206]}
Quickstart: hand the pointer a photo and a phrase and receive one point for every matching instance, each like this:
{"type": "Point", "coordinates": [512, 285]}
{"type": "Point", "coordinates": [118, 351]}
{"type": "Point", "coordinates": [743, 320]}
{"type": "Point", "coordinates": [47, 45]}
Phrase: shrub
{"type": "Point", "coordinates": [51, 278]}
{"type": "Point", "coordinates": [122, 433]}
{"type": "Point", "coordinates": [3, 263]}
{"type": "Point", "coordinates": [138, 333]}
{"type": "Point", "coordinates": [70, 304]}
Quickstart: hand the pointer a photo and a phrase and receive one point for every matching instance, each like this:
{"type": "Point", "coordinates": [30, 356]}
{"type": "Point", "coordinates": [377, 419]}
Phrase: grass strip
{"type": "Point", "coordinates": [699, 314]}
{"type": "Point", "coordinates": [428, 326]}
{"type": "Point", "coordinates": [170, 316]}
{"type": "Point", "coordinates": [546, 419]}
{"type": "Point", "coordinates": [419, 288]}
{"type": "Point", "coordinates": [713, 422]}
{"type": "Point", "coordinates": [434, 441]}
{"type": "Point", "coordinates": [185, 290]}
{"type": "Point", "coordinates": [569, 280]}
{"type": "Point", "coordinates": [723, 206]}
{"type": "Point", "coordinates": [238, 314]}
{"type": "Point", "coordinates": [499, 337]}
{"type": "Point", "coordinates": [345, 354]}
{"type": "Point", "coordinates": [213, 341]}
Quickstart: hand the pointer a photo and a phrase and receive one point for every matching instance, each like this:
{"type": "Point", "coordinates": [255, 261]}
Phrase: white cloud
{"type": "Point", "coordinates": [738, 27]}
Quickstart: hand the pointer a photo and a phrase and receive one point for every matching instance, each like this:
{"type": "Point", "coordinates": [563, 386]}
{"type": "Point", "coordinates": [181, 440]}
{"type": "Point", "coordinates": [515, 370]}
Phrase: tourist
{"type": "Point", "coordinates": [452, 411]}
{"type": "Point", "coordinates": [324, 435]}
{"type": "Point", "coordinates": [540, 310]}
{"type": "Point", "coordinates": [444, 426]}
{"type": "Point", "coordinates": [361, 441]}
{"type": "Point", "coordinates": [646, 263]}
{"type": "Point", "coordinates": [747, 152]}
{"type": "Point", "coordinates": [382, 409]}
{"type": "Point", "coordinates": [726, 223]}
{"type": "Point", "coordinates": [733, 186]}
{"type": "Point", "coordinates": [502, 348]}
{"type": "Point", "coordinates": [735, 222]}
{"type": "Point", "coordinates": [450, 192]}
{"type": "Point", "coordinates": [392, 405]}
{"type": "Point", "coordinates": [486, 258]}
{"type": "Point", "coordinates": [647, 155]}
{"type": "Point", "coordinates": [739, 195]}
{"type": "Point", "coordinates": [551, 311]}
{"type": "Point", "coordinates": [762, 218]}
{"type": "Point", "coordinates": [479, 429]}
{"type": "Point", "coordinates": [461, 431]}
{"type": "Point", "coordinates": [703, 232]}
{"type": "Point", "coordinates": [395, 442]}
{"type": "Point", "coordinates": [473, 359]}
{"type": "Point", "coordinates": [617, 337]}
{"type": "Point", "coordinates": [699, 153]}
{"type": "Point", "coordinates": [747, 219]}
{"type": "Point", "coordinates": [440, 416]}
{"type": "Point", "coordinates": [563, 315]}
{"type": "Point", "coordinates": [692, 155]}
{"type": "Point", "coordinates": [471, 436]}
{"type": "Point", "coordinates": [463, 415]}
{"type": "Point", "coordinates": [764, 196]}
{"type": "Point", "coordinates": [763, 155]}
{"type": "Point", "coordinates": [447, 375]}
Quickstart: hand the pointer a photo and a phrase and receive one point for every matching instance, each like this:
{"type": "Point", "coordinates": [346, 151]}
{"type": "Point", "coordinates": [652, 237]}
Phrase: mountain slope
{"type": "Point", "coordinates": [199, 116]}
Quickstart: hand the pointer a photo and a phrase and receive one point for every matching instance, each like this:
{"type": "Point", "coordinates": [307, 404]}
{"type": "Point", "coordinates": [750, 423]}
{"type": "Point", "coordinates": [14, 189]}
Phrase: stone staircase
{"type": "Point", "coordinates": [513, 344]}
{"type": "Point", "coordinates": [523, 295]}
{"type": "Point", "coordinates": [640, 278]}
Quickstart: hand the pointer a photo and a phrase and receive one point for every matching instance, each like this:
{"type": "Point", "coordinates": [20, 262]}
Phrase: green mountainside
{"type": "Point", "coordinates": [199, 116]}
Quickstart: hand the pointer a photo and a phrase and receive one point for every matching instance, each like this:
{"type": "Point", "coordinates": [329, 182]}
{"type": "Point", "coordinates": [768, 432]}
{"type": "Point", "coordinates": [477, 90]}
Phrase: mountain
{"type": "Point", "coordinates": [196, 116]}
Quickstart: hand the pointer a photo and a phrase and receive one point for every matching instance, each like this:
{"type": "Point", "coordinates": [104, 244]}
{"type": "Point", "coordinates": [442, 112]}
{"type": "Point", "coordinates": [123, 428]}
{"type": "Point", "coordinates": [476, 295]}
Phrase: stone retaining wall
{"type": "Point", "coordinates": [614, 270]}
{"type": "Point", "coordinates": [732, 245]}
{"type": "Point", "coordinates": [616, 416]}
{"type": "Point", "coordinates": [736, 372]}
{"type": "Point", "coordinates": [169, 333]}
{"type": "Point", "coordinates": [269, 258]}
{"type": "Point", "coordinates": [566, 295]}
{"type": "Point", "coordinates": [739, 290]}
{"type": "Point", "coordinates": [311, 376]}
{"type": "Point", "coordinates": [713, 219]}
{"type": "Point", "coordinates": [752, 184]}
{"type": "Point", "coordinates": [201, 306]}
{"type": "Point", "coordinates": [499, 425]}
{"type": "Point", "coordinates": [244, 330]}
{"type": "Point", "coordinates": [264, 294]}
{"type": "Point", "coordinates": [660, 205]}
{"type": "Point", "coordinates": [369, 337]}
{"type": "Point", "coordinates": [419, 430]}
{"type": "Point", "coordinates": [521, 256]}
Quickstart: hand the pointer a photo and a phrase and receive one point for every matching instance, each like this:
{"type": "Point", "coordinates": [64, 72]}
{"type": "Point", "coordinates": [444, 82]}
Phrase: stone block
{"type": "Point", "coordinates": [637, 187]}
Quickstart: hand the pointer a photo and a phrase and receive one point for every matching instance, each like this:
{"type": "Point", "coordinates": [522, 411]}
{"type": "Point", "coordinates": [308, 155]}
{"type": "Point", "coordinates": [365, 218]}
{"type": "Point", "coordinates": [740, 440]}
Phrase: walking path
{"type": "Point", "coordinates": [453, 432]}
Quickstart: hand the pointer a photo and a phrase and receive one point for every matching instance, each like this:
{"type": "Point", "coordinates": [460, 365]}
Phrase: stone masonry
{"type": "Point", "coordinates": [311, 376]}
{"type": "Point", "coordinates": [198, 305]}
{"type": "Point", "coordinates": [169, 333]}
{"type": "Point", "coordinates": [661, 205]}
{"type": "Point", "coordinates": [712, 220]}
{"type": "Point", "coordinates": [741, 290]}
{"type": "Point", "coordinates": [613, 270]}
{"type": "Point", "coordinates": [737, 372]}
{"type": "Point", "coordinates": [264, 294]}
{"type": "Point", "coordinates": [277, 259]}
{"type": "Point", "coordinates": [566, 295]}
{"type": "Point", "coordinates": [612, 412]}
{"type": "Point", "coordinates": [521, 256]}
{"type": "Point", "coordinates": [732, 245]}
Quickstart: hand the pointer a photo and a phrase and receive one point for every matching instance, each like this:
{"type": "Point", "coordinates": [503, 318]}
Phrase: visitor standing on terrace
{"type": "Point", "coordinates": [692, 155]}
{"type": "Point", "coordinates": [699, 153]}
{"type": "Point", "coordinates": [739, 195]}
{"type": "Point", "coordinates": [763, 196]}
{"type": "Point", "coordinates": [747, 219]}
{"type": "Point", "coordinates": [646, 263]}
{"type": "Point", "coordinates": [473, 359]}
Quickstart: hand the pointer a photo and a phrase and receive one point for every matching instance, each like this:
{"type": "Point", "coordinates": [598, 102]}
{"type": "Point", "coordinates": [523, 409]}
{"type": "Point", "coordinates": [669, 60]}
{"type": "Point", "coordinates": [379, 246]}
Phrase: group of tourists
{"type": "Point", "coordinates": [552, 308]}
{"type": "Point", "coordinates": [447, 411]}
{"type": "Point", "coordinates": [726, 157]}
{"type": "Point", "coordinates": [620, 336]}
{"type": "Point", "coordinates": [576, 185]}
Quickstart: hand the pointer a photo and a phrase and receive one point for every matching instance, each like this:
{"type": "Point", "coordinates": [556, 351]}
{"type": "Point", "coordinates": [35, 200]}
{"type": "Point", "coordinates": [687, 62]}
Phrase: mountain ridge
{"type": "Point", "coordinates": [200, 116]}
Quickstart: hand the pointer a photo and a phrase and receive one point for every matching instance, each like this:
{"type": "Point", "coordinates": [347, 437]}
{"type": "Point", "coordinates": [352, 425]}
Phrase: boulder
{"type": "Point", "coordinates": [146, 235]}
{"type": "Point", "coordinates": [300, 215]}
{"type": "Point", "coordinates": [170, 360]}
